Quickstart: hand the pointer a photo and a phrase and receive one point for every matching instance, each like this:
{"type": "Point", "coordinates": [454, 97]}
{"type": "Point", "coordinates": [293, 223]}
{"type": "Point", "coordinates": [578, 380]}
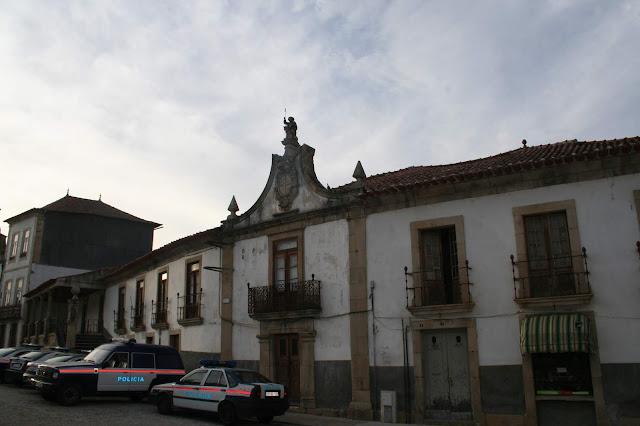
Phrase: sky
{"type": "Point", "coordinates": [168, 109]}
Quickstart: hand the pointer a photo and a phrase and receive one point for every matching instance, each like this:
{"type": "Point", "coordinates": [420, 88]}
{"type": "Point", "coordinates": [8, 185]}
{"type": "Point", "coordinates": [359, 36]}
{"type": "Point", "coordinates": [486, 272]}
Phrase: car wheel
{"type": "Point", "coordinates": [265, 419]}
{"type": "Point", "coordinates": [165, 404]}
{"type": "Point", "coordinates": [69, 394]}
{"type": "Point", "coordinates": [227, 413]}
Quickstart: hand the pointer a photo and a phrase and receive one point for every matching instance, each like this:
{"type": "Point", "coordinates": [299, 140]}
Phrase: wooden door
{"type": "Point", "coordinates": [288, 363]}
{"type": "Point", "coordinates": [446, 370]}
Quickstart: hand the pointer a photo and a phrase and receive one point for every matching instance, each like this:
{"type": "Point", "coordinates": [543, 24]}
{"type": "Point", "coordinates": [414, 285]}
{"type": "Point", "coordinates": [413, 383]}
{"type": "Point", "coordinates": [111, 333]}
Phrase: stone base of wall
{"type": "Point", "coordinates": [328, 412]}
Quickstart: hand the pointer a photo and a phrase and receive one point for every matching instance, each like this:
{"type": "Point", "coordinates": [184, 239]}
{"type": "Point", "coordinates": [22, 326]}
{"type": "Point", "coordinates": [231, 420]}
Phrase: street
{"type": "Point", "coordinates": [22, 406]}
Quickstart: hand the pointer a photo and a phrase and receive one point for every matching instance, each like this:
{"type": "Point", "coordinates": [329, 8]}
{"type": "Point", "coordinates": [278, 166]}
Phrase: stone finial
{"type": "Point", "coordinates": [524, 143]}
{"type": "Point", "coordinates": [233, 208]}
{"type": "Point", "coordinates": [359, 173]}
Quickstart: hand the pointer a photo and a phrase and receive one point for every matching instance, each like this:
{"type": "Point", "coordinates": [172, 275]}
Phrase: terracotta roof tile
{"type": "Point", "coordinates": [526, 158]}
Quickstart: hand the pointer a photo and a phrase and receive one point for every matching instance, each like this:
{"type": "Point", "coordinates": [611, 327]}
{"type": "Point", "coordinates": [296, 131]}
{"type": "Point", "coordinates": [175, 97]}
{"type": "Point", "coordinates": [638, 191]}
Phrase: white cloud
{"type": "Point", "coordinates": [168, 109]}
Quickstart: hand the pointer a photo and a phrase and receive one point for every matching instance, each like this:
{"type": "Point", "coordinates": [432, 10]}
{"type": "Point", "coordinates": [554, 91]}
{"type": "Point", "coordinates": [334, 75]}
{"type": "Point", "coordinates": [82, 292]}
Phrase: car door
{"type": "Point", "coordinates": [186, 391]}
{"type": "Point", "coordinates": [143, 367]}
{"type": "Point", "coordinates": [216, 389]}
{"type": "Point", "coordinates": [115, 374]}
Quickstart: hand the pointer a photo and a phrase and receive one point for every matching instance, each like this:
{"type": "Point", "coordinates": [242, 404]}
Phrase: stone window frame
{"type": "Point", "coordinates": [187, 262]}
{"type": "Point", "coordinates": [159, 272]}
{"type": "Point", "coordinates": [416, 228]}
{"type": "Point", "coordinates": [13, 250]}
{"type": "Point", "coordinates": [519, 213]}
{"type": "Point", "coordinates": [297, 234]}
{"type": "Point", "coordinates": [528, 377]}
{"type": "Point", "coordinates": [26, 240]}
{"type": "Point", "coordinates": [176, 332]}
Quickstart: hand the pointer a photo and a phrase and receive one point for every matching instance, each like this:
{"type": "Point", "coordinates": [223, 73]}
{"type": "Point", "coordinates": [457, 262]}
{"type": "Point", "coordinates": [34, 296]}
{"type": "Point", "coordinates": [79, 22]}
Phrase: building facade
{"type": "Point", "coordinates": [498, 291]}
{"type": "Point", "coordinates": [71, 236]}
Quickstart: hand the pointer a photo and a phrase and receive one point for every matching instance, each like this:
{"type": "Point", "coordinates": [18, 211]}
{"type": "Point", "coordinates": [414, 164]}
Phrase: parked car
{"type": "Point", "coordinates": [7, 353]}
{"type": "Point", "coordinates": [30, 373]}
{"type": "Point", "coordinates": [18, 365]}
{"type": "Point", "coordinates": [119, 368]}
{"type": "Point", "coordinates": [221, 388]}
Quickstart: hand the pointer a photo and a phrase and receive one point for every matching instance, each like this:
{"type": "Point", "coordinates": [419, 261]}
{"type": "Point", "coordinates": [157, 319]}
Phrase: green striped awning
{"type": "Point", "coordinates": [555, 333]}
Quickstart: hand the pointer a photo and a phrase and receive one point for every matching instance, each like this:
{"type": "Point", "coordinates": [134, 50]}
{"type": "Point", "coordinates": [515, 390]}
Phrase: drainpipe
{"type": "Point", "coordinates": [375, 369]}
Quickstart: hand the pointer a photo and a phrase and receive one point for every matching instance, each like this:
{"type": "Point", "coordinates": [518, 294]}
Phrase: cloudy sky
{"type": "Point", "coordinates": [169, 108]}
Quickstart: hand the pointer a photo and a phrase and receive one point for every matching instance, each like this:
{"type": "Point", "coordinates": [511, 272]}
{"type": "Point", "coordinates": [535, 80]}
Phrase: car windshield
{"type": "Point", "coordinates": [34, 355]}
{"type": "Point", "coordinates": [60, 358]}
{"type": "Point", "coordinates": [246, 376]}
{"type": "Point", "coordinates": [6, 351]}
{"type": "Point", "coordinates": [98, 355]}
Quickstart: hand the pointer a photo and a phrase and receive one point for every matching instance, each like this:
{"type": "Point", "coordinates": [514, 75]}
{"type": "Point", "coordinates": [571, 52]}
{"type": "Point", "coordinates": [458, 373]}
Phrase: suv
{"type": "Point", "coordinates": [119, 368]}
{"type": "Point", "coordinates": [221, 388]}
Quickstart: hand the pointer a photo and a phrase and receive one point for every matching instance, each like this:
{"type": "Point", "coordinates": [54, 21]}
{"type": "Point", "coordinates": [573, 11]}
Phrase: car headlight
{"type": "Point", "coordinates": [55, 375]}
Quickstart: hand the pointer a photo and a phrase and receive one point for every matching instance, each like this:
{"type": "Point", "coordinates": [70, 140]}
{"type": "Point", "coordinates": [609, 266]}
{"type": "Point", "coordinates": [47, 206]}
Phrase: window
{"type": "Point", "coordinates": [25, 242]}
{"type": "Point", "coordinates": [141, 360]}
{"type": "Point", "coordinates": [439, 270]}
{"type": "Point", "coordinates": [163, 279]}
{"type": "Point", "coordinates": [193, 288]}
{"type": "Point", "coordinates": [19, 284]}
{"type": "Point", "coordinates": [118, 360]}
{"type": "Point", "coordinates": [138, 315]}
{"type": "Point", "coordinates": [174, 341]}
{"type": "Point", "coordinates": [549, 255]}
{"type": "Point", "coordinates": [119, 320]}
{"type": "Point", "coordinates": [568, 372]}
{"type": "Point", "coordinates": [549, 266]}
{"type": "Point", "coordinates": [7, 293]}
{"type": "Point", "coordinates": [215, 378]}
{"type": "Point", "coordinates": [439, 275]}
{"type": "Point", "coordinates": [285, 258]}
{"type": "Point", "coordinates": [14, 247]}
{"type": "Point", "coordinates": [195, 378]}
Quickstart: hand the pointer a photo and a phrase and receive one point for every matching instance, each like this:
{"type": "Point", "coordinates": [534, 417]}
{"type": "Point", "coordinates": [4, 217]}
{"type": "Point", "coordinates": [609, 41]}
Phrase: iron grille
{"type": "Point", "coordinates": [11, 311]}
{"type": "Point", "coordinates": [137, 316]}
{"type": "Point", "coordinates": [118, 319]}
{"type": "Point", "coordinates": [296, 296]}
{"type": "Point", "coordinates": [159, 311]}
{"type": "Point", "coordinates": [556, 279]}
{"type": "Point", "coordinates": [428, 292]}
{"type": "Point", "coordinates": [190, 306]}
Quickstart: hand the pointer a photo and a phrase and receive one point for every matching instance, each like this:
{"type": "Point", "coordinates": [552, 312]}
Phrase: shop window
{"type": "Point", "coordinates": [562, 373]}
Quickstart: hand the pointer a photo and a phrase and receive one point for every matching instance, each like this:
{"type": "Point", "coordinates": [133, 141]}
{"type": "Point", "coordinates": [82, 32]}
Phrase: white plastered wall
{"type": "Point", "coordinates": [608, 226]}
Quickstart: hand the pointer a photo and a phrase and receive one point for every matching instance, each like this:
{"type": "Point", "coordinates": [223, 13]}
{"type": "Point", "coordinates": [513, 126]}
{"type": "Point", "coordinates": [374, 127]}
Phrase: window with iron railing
{"type": "Point", "coordinates": [190, 307]}
{"type": "Point", "coordinates": [137, 311]}
{"type": "Point", "coordinates": [289, 297]}
{"type": "Point", "coordinates": [119, 319]}
{"type": "Point", "coordinates": [159, 311]}
{"type": "Point", "coordinates": [549, 269]}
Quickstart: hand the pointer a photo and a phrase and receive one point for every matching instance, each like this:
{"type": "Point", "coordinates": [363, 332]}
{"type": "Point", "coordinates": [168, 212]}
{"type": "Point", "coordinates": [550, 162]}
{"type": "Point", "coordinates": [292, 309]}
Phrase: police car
{"type": "Point", "coordinates": [119, 368]}
{"type": "Point", "coordinates": [32, 367]}
{"type": "Point", "coordinates": [7, 353]}
{"type": "Point", "coordinates": [221, 388]}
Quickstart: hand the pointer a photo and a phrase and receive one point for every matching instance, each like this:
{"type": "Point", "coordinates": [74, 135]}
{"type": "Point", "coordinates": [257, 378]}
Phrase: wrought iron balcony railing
{"type": "Point", "coordinates": [119, 322]}
{"type": "Point", "coordinates": [92, 326]}
{"type": "Point", "coordinates": [296, 296]}
{"type": "Point", "coordinates": [10, 312]}
{"type": "Point", "coordinates": [137, 316]}
{"type": "Point", "coordinates": [426, 292]}
{"type": "Point", "coordinates": [190, 306]}
{"type": "Point", "coordinates": [551, 277]}
{"type": "Point", "coordinates": [159, 312]}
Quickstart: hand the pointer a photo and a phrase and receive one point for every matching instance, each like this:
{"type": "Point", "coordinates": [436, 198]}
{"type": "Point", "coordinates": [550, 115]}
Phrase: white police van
{"type": "Point", "coordinates": [221, 388]}
{"type": "Point", "coordinates": [118, 368]}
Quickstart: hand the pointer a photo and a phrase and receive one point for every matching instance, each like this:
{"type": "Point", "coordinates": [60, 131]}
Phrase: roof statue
{"type": "Point", "coordinates": [290, 142]}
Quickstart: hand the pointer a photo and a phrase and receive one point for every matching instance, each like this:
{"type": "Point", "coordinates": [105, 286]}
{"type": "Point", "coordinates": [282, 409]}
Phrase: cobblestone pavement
{"type": "Point", "coordinates": [25, 406]}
